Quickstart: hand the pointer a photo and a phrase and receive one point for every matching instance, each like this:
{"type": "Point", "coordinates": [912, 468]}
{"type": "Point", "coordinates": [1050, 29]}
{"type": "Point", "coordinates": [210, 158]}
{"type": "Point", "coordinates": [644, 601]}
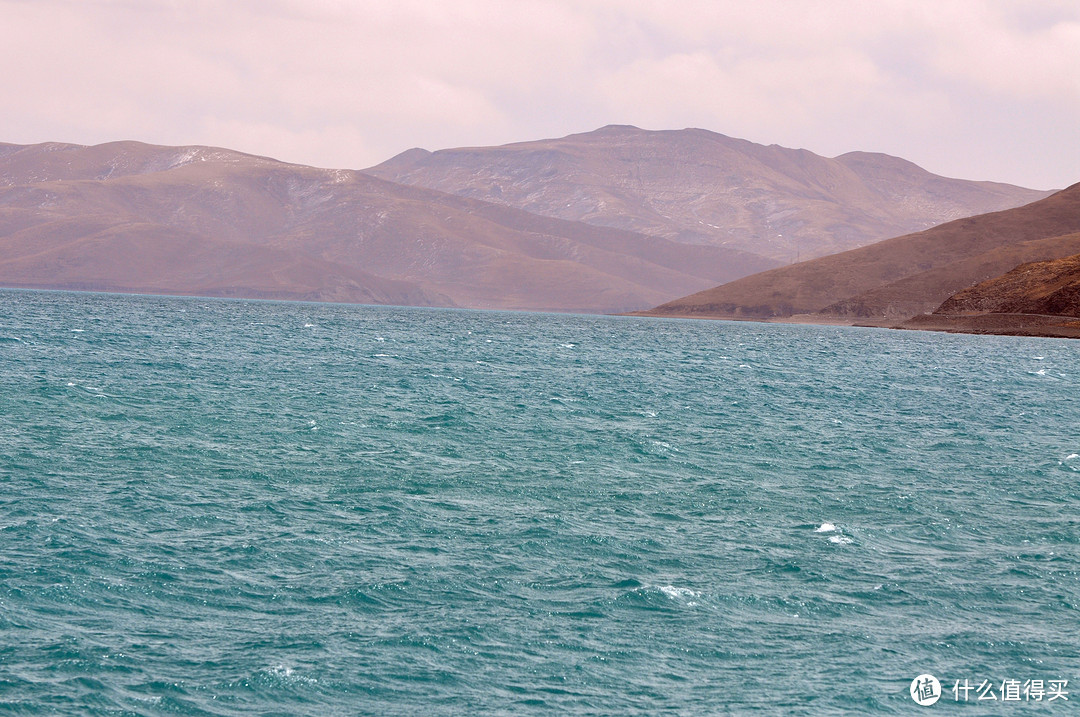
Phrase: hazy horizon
{"type": "Point", "coordinates": [973, 90]}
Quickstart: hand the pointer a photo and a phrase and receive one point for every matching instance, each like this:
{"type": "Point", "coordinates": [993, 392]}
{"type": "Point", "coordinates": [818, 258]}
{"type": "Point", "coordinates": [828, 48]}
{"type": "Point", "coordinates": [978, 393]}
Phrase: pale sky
{"type": "Point", "coordinates": [976, 89]}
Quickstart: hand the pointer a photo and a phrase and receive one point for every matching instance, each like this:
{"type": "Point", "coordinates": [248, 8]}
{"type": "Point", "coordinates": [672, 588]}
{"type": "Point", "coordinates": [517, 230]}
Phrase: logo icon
{"type": "Point", "coordinates": [925, 690]}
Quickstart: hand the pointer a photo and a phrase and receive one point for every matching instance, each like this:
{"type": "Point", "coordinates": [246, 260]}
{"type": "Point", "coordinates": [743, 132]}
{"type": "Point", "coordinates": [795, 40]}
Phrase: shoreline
{"type": "Point", "coordinates": [997, 324]}
{"type": "Point", "coordinates": [988, 324]}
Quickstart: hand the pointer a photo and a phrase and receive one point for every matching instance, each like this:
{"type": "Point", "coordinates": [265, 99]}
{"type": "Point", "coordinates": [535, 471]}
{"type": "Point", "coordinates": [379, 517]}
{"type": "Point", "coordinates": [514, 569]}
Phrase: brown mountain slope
{"type": "Point", "coordinates": [1040, 287]}
{"type": "Point", "coordinates": [898, 277]}
{"type": "Point", "coordinates": [700, 187]}
{"type": "Point", "coordinates": [921, 292]}
{"type": "Point", "coordinates": [135, 217]}
{"type": "Point", "coordinates": [1034, 299]}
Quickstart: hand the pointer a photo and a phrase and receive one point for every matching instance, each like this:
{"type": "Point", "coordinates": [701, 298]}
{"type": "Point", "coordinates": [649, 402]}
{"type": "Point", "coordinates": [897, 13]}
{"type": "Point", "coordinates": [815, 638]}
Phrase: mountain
{"type": "Point", "coordinates": [900, 277]}
{"type": "Point", "coordinates": [1038, 287]}
{"type": "Point", "coordinates": [127, 216]}
{"type": "Point", "coordinates": [699, 187]}
{"type": "Point", "coordinates": [1040, 298]}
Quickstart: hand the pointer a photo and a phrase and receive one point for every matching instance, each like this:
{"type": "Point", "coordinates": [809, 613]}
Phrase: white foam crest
{"type": "Point", "coordinates": [677, 593]}
{"type": "Point", "coordinates": [839, 539]}
{"type": "Point", "coordinates": [285, 672]}
{"type": "Point", "coordinates": [1069, 457]}
{"type": "Point", "coordinates": [826, 528]}
{"type": "Point", "coordinates": [78, 331]}
{"type": "Point", "coordinates": [309, 326]}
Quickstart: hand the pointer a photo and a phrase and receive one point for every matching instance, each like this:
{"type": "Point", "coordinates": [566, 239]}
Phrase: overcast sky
{"type": "Point", "coordinates": [978, 89]}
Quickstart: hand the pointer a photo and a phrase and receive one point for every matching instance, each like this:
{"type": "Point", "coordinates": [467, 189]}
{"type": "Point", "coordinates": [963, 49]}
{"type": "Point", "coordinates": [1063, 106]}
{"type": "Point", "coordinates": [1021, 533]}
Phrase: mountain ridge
{"type": "Point", "coordinates": [698, 186]}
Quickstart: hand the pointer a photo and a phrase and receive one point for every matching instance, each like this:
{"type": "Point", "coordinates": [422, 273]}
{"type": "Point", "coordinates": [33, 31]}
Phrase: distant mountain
{"type": "Point", "coordinates": [127, 216]}
{"type": "Point", "coordinates": [695, 186]}
{"type": "Point", "coordinates": [900, 277]}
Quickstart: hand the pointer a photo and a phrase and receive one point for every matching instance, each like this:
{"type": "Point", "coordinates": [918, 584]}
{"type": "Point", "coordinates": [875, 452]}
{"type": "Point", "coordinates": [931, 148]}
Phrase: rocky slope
{"type": "Point", "coordinates": [900, 277]}
{"type": "Point", "coordinates": [132, 217]}
{"type": "Point", "coordinates": [1035, 299]}
{"type": "Point", "coordinates": [696, 186]}
{"type": "Point", "coordinates": [1038, 287]}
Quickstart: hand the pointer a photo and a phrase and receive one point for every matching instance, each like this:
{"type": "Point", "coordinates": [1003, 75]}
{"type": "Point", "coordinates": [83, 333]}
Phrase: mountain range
{"type": "Point", "coordinates": [132, 217]}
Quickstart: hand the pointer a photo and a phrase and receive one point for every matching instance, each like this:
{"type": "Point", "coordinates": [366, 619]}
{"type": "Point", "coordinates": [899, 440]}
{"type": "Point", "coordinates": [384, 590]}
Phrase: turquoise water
{"type": "Point", "coordinates": [223, 507]}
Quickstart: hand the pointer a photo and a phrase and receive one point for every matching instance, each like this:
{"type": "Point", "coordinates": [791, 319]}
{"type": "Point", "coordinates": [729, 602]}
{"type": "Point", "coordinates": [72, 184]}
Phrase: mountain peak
{"type": "Point", "coordinates": [617, 129]}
